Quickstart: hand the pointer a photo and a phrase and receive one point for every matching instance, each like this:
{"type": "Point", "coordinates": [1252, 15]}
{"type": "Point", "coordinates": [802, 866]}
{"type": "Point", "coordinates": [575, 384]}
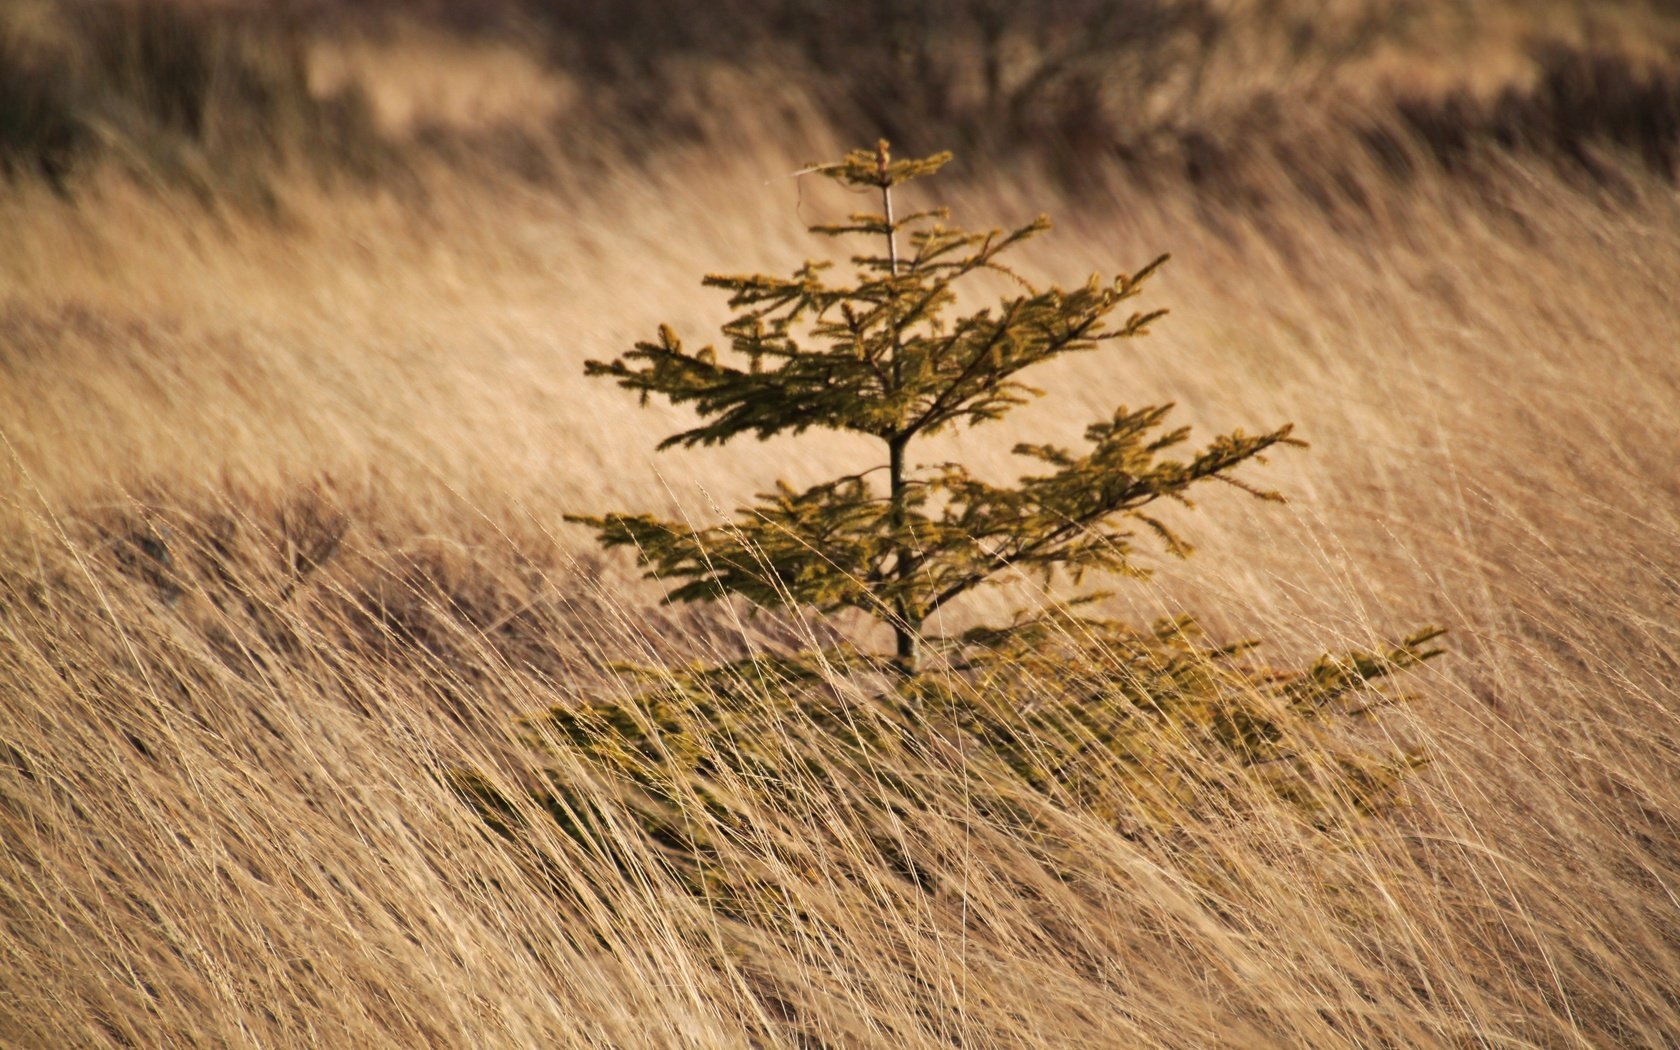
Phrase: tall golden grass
{"type": "Point", "coordinates": [280, 547]}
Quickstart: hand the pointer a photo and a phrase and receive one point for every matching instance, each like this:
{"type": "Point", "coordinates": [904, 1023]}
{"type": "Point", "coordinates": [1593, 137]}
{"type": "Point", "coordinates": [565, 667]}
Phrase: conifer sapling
{"type": "Point", "coordinates": [882, 354]}
{"type": "Point", "coordinates": [1143, 727]}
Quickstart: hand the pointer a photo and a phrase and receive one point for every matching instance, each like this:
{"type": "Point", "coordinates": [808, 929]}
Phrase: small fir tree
{"type": "Point", "coordinates": [882, 355]}
{"type": "Point", "coordinates": [1147, 728]}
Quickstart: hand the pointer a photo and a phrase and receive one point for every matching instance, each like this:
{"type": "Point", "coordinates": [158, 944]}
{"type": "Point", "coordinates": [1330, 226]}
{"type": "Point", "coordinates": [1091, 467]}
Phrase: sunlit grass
{"type": "Point", "coordinates": [227, 813]}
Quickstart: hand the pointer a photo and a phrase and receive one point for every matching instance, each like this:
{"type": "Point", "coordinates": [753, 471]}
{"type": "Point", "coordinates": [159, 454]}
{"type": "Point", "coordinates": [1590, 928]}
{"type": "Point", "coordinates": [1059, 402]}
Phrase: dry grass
{"type": "Point", "coordinates": [280, 546]}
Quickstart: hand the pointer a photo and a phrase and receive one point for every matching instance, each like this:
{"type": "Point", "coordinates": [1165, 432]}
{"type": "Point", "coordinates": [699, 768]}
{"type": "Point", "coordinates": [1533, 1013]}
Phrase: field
{"type": "Point", "coordinates": [292, 408]}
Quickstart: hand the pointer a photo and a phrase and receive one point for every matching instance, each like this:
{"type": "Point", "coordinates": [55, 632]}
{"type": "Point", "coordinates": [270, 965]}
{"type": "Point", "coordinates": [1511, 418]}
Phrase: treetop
{"type": "Point", "coordinates": [875, 167]}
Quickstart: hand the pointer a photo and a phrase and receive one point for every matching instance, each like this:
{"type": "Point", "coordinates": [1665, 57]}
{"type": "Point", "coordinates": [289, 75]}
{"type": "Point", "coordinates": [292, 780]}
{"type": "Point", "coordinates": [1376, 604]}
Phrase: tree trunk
{"type": "Point", "coordinates": [907, 623]}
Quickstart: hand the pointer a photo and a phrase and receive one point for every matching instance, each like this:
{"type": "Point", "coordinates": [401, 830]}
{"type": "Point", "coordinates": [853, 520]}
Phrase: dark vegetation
{"type": "Point", "coordinates": [171, 90]}
{"type": "Point", "coordinates": [1590, 111]}
{"type": "Point", "coordinates": [1082, 89]}
{"type": "Point", "coordinates": [1074, 82]}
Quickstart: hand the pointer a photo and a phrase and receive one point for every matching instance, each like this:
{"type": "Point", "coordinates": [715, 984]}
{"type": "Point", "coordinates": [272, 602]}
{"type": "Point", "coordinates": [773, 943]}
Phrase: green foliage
{"type": "Point", "coordinates": [742, 775]}
{"type": "Point", "coordinates": [745, 775]}
{"type": "Point", "coordinates": [880, 355]}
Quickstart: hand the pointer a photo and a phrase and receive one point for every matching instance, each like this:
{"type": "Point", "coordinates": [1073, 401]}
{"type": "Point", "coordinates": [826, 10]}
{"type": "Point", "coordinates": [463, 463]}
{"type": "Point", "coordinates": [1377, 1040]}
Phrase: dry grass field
{"type": "Point", "coordinates": [285, 449]}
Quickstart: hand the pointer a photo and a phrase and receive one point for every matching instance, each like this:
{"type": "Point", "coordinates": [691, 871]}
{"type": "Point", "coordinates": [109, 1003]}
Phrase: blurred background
{"type": "Point", "coordinates": [1222, 95]}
